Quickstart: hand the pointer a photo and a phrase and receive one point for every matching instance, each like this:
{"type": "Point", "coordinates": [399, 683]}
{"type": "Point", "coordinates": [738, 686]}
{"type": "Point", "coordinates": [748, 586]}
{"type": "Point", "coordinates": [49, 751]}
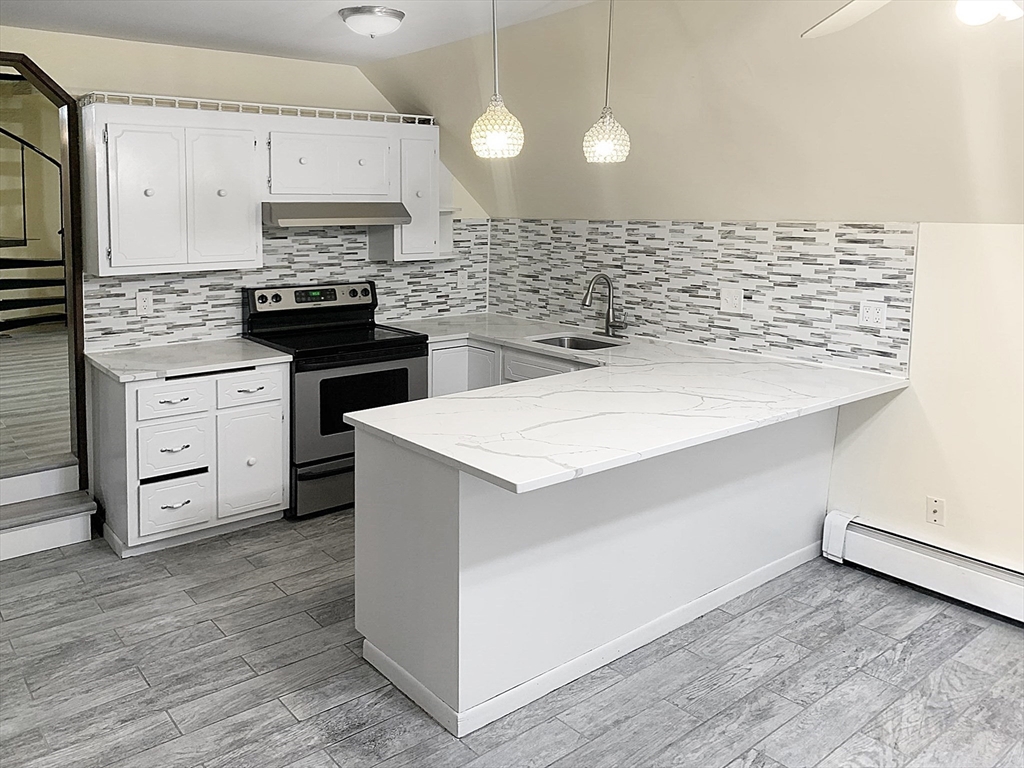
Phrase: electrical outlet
{"type": "Point", "coordinates": [935, 510]}
{"type": "Point", "coordinates": [872, 314]}
{"type": "Point", "coordinates": [732, 300]}
{"type": "Point", "coordinates": [143, 303]}
{"type": "Point", "coordinates": [462, 279]}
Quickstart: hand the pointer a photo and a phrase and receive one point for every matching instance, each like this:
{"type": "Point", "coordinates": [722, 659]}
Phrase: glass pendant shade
{"type": "Point", "coordinates": [606, 141]}
{"type": "Point", "coordinates": [497, 133]}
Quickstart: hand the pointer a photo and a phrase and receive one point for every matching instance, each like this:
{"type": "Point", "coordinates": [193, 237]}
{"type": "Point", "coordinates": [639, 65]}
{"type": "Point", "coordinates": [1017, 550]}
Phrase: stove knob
{"type": "Point", "coordinates": [353, 293]}
{"type": "Point", "coordinates": [262, 298]}
{"type": "Point", "coordinates": [365, 292]}
{"type": "Point", "coordinates": [276, 298]}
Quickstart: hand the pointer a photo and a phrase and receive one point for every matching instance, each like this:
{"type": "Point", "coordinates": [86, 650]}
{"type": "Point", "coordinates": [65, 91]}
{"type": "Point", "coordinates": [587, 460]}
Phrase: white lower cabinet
{"type": "Point", "coordinates": [171, 458]}
{"type": "Point", "coordinates": [459, 366]}
{"type": "Point", "coordinates": [250, 476]}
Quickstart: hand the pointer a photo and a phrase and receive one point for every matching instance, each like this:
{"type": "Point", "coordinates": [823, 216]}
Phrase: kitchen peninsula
{"type": "Point", "coordinates": [544, 528]}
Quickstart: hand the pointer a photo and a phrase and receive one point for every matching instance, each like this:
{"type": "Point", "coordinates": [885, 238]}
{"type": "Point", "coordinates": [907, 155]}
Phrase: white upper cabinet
{"type": "Point", "coordinates": [420, 195]}
{"type": "Point", "coordinates": [300, 163]}
{"type": "Point", "coordinates": [222, 220]}
{"type": "Point", "coordinates": [146, 185]}
{"type": "Point", "coordinates": [362, 166]}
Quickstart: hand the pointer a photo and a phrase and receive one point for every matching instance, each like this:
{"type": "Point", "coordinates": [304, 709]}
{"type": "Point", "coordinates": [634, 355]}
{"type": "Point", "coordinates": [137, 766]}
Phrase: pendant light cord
{"type": "Point", "coordinates": [608, 61]}
{"type": "Point", "coordinates": [494, 42]}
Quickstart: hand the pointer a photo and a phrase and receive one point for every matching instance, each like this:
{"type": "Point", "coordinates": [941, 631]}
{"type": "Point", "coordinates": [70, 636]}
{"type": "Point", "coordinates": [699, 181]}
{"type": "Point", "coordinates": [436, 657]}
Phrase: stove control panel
{"type": "Point", "coordinates": [354, 295]}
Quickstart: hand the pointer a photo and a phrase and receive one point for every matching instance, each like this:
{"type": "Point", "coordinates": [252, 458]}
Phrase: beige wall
{"type": "Point", "coordinates": [908, 116]}
{"type": "Point", "coordinates": [958, 432]}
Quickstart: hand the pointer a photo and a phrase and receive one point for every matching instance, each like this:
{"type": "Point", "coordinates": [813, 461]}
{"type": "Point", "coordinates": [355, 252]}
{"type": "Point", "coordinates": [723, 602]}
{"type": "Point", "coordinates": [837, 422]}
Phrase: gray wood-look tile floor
{"type": "Point", "coordinates": [35, 415]}
{"type": "Point", "coordinates": [240, 651]}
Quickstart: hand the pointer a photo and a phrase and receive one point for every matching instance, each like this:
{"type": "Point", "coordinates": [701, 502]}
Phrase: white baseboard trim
{"type": "Point", "coordinates": [49, 534]}
{"type": "Point", "coordinates": [38, 485]}
{"type": "Point", "coordinates": [123, 550]}
{"type": "Point", "coordinates": [986, 586]}
{"type": "Point", "coordinates": [463, 723]}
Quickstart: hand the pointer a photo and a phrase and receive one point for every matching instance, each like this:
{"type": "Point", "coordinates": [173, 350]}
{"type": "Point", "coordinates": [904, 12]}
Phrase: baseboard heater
{"type": "Point", "coordinates": [852, 539]}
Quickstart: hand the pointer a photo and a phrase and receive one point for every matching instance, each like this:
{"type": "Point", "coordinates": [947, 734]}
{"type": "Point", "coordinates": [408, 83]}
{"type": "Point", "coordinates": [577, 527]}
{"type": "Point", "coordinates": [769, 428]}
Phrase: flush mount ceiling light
{"type": "Point", "coordinates": [496, 133]}
{"type": "Point", "coordinates": [372, 20]}
{"type": "Point", "coordinates": [977, 12]}
{"type": "Point", "coordinates": [606, 141]}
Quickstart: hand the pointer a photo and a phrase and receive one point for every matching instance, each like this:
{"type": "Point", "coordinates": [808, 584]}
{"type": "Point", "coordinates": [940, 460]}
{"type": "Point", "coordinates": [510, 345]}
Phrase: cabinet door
{"type": "Point", "coordinates": [222, 223]}
{"type": "Point", "coordinates": [301, 163]}
{"type": "Point", "coordinates": [483, 367]}
{"type": "Point", "coordinates": [449, 370]}
{"type": "Point", "coordinates": [362, 165]}
{"type": "Point", "coordinates": [146, 181]}
{"type": "Point", "coordinates": [250, 456]}
{"type": "Point", "coordinates": [420, 195]}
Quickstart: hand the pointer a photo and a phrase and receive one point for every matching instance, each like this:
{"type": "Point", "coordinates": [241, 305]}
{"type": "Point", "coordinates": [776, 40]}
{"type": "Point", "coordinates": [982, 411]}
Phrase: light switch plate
{"type": "Point", "coordinates": [872, 314]}
{"type": "Point", "coordinates": [732, 300]}
{"type": "Point", "coordinates": [143, 303]}
{"type": "Point", "coordinates": [462, 280]}
{"type": "Point", "coordinates": [935, 510]}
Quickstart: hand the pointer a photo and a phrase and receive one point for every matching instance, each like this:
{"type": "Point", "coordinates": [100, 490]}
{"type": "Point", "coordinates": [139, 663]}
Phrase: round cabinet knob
{"type": "Point", "coordinates": [251, 462]}
{"type": "Point", "coordinates": [303, 161]}
{"type": "Point", "coordinates": [419, 194]}
{"type": "Point", "coordinates": [362, 162]}
{"type": "Point", "coordinates": [149, 192]}
{"type": "Point", "coordinates": [222, 193]}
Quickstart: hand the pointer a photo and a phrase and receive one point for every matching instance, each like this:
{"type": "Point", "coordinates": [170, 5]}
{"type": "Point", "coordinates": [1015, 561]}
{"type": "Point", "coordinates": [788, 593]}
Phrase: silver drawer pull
{"type": "Point", "coordinates": [173, 401]}
{"type": "Point", "coordinates": [179, 505]}
{"type": "Point", "coordinates": [179, 449]}
{"type": "Point", "coordinates": [251, 390]}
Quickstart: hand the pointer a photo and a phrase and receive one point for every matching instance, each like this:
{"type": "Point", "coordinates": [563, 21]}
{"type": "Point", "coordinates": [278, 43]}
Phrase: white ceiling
{"type": "Point", "coordinates": [296, 29]}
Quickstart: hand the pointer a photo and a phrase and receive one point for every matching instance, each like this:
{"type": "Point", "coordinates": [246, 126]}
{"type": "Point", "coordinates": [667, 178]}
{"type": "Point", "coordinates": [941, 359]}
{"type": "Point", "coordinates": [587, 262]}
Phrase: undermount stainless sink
{"type": "Point", "coordinates": [579, 342]}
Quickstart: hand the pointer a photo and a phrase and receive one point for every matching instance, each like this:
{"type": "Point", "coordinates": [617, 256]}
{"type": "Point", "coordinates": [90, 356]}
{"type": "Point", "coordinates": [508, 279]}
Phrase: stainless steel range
{"type": "Point", "coordinates": [343, 361]}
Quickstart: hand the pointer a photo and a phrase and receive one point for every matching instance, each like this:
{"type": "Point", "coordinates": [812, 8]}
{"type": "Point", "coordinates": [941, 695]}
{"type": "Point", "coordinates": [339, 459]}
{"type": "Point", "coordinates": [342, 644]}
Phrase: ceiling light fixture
{"type": "Point", "coordinates": [978, 12]}
{"type": "Point", "coordinates": [606, 141]}
{"type": "Point", "coordinates": [372, 20]}
{"type": "Point", "coordinates": [496, 133]}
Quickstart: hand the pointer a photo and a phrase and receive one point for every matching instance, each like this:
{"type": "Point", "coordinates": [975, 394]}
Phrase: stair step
{"type": "Point", "coordinates": [22, 322]}
{"type": "Point", "coordinates": [42, 301]}
{"type": "Point", "coordinates": [10, 283]}
{"type": "Point", "coordinates": [13, 242]}
{"type": "Point", "coordinates": [47, 508]}
{"type": "Point", "coordinates": [29, 263]}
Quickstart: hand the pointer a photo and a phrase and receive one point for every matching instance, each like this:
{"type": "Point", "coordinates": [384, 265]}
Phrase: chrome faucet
{"type": "Point", "coordinates": [611, 324]}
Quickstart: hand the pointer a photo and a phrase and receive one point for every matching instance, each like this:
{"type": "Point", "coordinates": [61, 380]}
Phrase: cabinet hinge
{"type": "Point", "coordinates": [110, 259]}
{"type": "Point", "coordinates": [270, 186]}
{"type": "Point", "coordinates": [268, 143]}
{"type": "Point", "coordinates": [104, 135]}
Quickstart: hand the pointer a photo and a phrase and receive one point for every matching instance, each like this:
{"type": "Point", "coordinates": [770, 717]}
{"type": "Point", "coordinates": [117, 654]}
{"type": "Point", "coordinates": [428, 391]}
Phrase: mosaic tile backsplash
{"type": "Point", "coordinates": [802, 282]}
{"type": "Point", "coordinates": [208, 305]}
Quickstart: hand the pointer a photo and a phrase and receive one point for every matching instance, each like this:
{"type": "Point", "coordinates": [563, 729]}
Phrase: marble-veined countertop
{"type": "Point", "coordinates": [644, 399]}
{"type": "Point", "coordinates": [183, 359]}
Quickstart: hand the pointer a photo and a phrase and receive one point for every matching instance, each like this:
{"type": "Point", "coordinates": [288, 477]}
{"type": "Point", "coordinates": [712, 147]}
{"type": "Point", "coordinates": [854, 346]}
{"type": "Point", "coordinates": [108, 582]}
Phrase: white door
{"type": "Point", "coordinates": [250, 456]}
{"type": "Point", "coordinates": [483, 368]}
{"type": "Point", "coordinates": [449, 370]}
{"type": "Point", "coordinates": [222, 221]}
{"type": "Point", "coordinates": [146, 183]}
{"type": "Point", "coordinates": [420, 195]}
{"type": "Point", "coordinates": [363, 165]}
{"type": "Point", "coordinates": [301, 163]}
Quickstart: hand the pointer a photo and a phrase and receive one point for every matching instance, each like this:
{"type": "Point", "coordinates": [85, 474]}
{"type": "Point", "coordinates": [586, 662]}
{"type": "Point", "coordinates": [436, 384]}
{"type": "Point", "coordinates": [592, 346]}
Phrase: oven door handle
{"type": "Point", "coordinates": [316, 473]}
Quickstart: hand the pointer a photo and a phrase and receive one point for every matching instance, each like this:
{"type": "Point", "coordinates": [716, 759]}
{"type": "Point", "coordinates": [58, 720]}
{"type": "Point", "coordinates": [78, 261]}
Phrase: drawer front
{"type": "Point", "coordinates": [175, 447]}
{"type": "Point", "coordinates": [174, 397]}
{"type": "Point", "coordinates": [519, 366]}
{"type": "Point", "coordinates": [249, 387]}
{"type": "Point", "coordinates": [174, 504]}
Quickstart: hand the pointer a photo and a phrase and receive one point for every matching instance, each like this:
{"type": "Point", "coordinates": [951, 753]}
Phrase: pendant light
{"type": "Point", "coordinates": [496, 133]}
{"type": "Point", "coordinates": [606, 141]}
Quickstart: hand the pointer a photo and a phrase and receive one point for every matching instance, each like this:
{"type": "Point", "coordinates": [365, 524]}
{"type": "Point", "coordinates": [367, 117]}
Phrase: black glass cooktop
{"type": "Point", "coordinates": [322, 342]}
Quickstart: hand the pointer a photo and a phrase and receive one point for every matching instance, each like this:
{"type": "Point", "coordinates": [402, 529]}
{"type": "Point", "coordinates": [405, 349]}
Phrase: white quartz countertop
{"type": "Point", "coordinates": [183, 359]}
{"type": "Point", "coordinates": [644, 399]}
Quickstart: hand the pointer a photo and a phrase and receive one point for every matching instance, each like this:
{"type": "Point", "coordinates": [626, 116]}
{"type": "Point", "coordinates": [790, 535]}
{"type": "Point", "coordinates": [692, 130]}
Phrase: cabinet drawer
{"type": "Point", "coordinates": [249, 387]}
{"type": "Point", "coordinates": [174, 504]}
{"type": "Point", "coordinates": [174, 397]}
{"type": "Point", "coordinates": [519, 366]}
{"type": "Point", "coordinates": [175, 447]}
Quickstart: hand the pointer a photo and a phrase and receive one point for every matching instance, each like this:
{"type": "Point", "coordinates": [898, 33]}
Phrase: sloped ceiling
{"type": "Point", "coordinates": [907, 116]}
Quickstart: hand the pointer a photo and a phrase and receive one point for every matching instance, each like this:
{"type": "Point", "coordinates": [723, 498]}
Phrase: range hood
{"type": "Point", "coordinates": [335, 214]}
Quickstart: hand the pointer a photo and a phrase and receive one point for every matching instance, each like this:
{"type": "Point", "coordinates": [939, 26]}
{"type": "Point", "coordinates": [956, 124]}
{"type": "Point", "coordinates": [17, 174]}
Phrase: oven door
{"type": "Point", "coordinates": [323, 397]}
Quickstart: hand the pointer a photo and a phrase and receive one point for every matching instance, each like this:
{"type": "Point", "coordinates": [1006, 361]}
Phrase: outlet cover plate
{"type": "Point", "coordinates": [732, 300]}
{"type": "Point", "coordinates": [872, 314]}
{"type": "Point", "coordinates": [143, 303]}
{"type": "Point", "coordinates": [935, 510]}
